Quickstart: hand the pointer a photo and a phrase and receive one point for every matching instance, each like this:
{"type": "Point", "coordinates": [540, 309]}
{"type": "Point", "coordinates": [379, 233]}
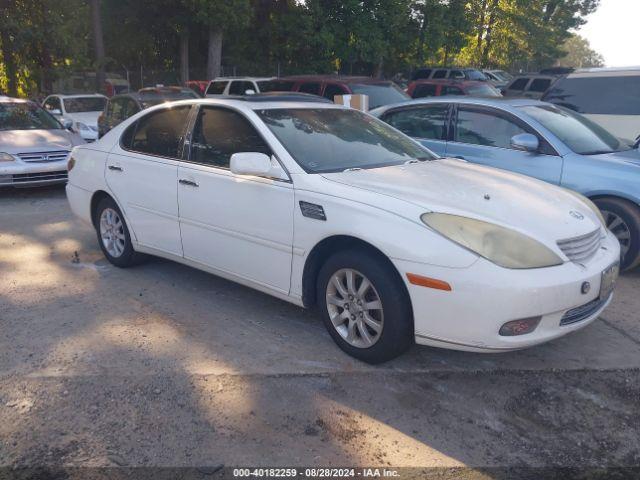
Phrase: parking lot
{"type": "Point", "coordinates": [165, 365]}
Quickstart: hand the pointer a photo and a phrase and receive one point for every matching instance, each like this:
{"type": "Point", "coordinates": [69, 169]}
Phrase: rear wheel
{"type": "Point", "coordinates": [623, 219]}
{"type": "Point", "coordinates": [113, 235]}
{"type": "Point", "coordinates": [364, 306]}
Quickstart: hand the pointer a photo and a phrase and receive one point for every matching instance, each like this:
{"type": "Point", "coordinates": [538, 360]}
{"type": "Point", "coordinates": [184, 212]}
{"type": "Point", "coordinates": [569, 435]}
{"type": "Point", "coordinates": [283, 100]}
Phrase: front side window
{"type": "Point", "coordinates": [275, 85]}
{"type": "Point", "coordinates": [335, 139]}
{"type": "Point", "coordinates": [240, 87]}
{"type": "Point", "coordinates": [440, 74]}
{"type": "Point", "coordinates": [540, 85]}
{"type": "Point", "coordinates": [53, 103]}
{"type": "Point", "coordinates": [424, 90]}
{"type": "Point", "coordinates": [478, 127]}
{"type": "Point", "coordinates": [159, 133]}
{"type": "Point", "coordinates": [456, 74]}
{"type": "Point", "coordinates": [84, 104]}
{"type": "Point", "coordinates": [422, 122]}
{"type": "Point", "coordinates": [217, 87]}
{"type": "Point", "coordinates": [579, 133]}
{"type": "Point", "coordinates": [312, 88]}
{"type": "Point", "coordinates": [26, 116]}
{"type": "Point", "coordinates": [219, 133]}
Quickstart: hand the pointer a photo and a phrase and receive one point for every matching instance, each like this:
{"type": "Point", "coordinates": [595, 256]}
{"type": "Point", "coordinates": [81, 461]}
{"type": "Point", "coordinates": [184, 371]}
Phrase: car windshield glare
{"type": "Point", "coordinates": [151, 99]}
{"type": "Point", "coordinates": [84, 104]}
{"type": "Point", "coordinates": [379, 95]}
{"type": "Point", "coordinates": [26, 116]}
{"type": "Point", "coordinates": [579, 133]}
{"type": "Point", "coordinates": [334, 140]}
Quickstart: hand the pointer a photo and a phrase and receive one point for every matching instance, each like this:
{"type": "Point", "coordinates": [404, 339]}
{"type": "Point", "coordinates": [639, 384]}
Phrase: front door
{"type": "Point", "coordinates": [426, 123]}
{"type": "Point", "coordinates": [483, 135]}
{"type": "Point", "coordinates": [240, 225]}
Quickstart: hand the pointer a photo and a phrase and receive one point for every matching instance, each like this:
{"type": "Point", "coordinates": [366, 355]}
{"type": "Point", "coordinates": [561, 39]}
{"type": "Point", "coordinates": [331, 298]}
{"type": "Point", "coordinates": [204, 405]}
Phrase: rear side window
{"type": "Point", "coordinates": [160, 133]}
{"type": "Point", "coordinates": [241, 87]}
{"type": "Point", "coordinates": [519, 84]}
{"type": "Point", "coordinates": [216, 88]}
{"type": "Point", "coordinates": [449, 90]}
{"type": "Point", "coordinates": [275, 85]}
{"type": "Point", "coordinates": [540, 85]}
{"type": "Point", "coordinates": [456, 74]}
{"type": "Point", "coordinates": [312, 88]}
{"type": "Point", "coordinates": [219, 133]}
{"type": "Point", "coordinates": [332, 89]}
{"type": "Point", "coordinates": [422, 73]}
{"type": "Point", "coordinates": [598, 95]}
{"type": "Point", "coordinates": [424, 90]}
{"type": "Point", "coordinates": [424, 122]}
{"type": "Point", "coordinates": [440, 74]}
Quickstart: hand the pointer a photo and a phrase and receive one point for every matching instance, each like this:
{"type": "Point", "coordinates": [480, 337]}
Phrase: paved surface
{"type": "Point", "coordinates": [165, 365]}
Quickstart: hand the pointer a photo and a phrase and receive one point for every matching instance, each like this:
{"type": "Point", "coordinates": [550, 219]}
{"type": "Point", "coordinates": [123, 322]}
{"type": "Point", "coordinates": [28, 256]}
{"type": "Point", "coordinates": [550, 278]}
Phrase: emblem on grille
{"type": "Point", "coordinates": [576, 215]}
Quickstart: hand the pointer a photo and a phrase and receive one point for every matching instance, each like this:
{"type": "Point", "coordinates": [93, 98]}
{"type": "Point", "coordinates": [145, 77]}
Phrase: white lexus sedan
{"type": "Point", "coordinates": [325, 206]}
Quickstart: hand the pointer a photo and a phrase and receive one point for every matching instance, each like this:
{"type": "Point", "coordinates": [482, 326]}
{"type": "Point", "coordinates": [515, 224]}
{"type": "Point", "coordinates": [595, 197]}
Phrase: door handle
{"type": "Point", "coordinates": [115, 168]}
{"type": "Point", "coordinates": [190, 183]}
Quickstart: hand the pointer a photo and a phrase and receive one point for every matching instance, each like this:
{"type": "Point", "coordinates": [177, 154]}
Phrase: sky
{"type": "Point", "coordinates": [614, 32]}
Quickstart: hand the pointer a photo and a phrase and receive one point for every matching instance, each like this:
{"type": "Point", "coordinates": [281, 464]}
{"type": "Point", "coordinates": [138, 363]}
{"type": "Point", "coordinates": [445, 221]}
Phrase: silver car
{"type": "Point", "coordinates": [34, 146]}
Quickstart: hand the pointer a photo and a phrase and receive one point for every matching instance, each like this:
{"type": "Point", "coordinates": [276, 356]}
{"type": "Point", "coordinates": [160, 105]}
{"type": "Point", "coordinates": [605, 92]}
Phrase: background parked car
{"type": "Point", "coordinates": [380, 92]}
{"type": "Point", "coordinates": [237, 85]}
{"type": "Point", "coordinates": [537, 139]}
{"type": "Point", "coordinates": [82, 110]}
{"type": "Point", "coordinates": [449, 72]}
{"type": "Point", "coordinates": [529, 86]}
{"type": "Point", "coordinates": [121, 107]}
{"type": "Point", "coordinates": [34, 145]}
{"type": "Point", "coordinates": [608, 96]}
{"type": "Point", "coordinates": [436, 88]}
{"type": "Point", "coordinates": [198, 86]}
{"type": "Point", "coordinates": [498, 78]}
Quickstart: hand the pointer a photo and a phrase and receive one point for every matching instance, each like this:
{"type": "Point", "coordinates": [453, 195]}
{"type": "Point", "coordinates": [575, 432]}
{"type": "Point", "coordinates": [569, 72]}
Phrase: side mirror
{"type": "Point", "coordinates": [525, 142]}
{"type": "Point", "coordinates": [256, 163]}
{"type": "Point", "coordinates": [55, 111]}
{"type": "Point", "coordinates": [67, 123]}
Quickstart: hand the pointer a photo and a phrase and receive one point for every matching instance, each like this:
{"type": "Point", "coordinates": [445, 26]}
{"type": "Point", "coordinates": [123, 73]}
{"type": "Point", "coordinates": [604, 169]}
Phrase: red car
{"type": "Point", "coordinates": [380, 92]}
{"type": "Point", "coordinates": [436, 88]}
{"type": "Point", "coordinates": [198, 86]}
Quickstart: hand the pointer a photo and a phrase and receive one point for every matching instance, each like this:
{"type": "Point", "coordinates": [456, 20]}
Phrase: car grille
{"type": "Point", "coordinates": [582, 248]}
{"type": "Point", "coordinates": [39, 177]}
{"type": "Point", "coordinates": [580, 313]}
{"type": "Point", "coordinates": [55, 156]}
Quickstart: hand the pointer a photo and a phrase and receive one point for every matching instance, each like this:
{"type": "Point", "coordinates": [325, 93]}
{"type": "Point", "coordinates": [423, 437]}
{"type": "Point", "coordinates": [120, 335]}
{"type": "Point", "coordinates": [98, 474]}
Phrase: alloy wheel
{"type": "Point", "coordinates": [112, 232]}
{"type": "Point", "coordinates": [620, 229]}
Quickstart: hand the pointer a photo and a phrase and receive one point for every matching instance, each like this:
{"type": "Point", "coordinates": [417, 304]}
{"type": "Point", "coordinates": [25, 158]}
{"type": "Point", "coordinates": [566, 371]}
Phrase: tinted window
{"type": "Point", "coordinates": [476, 75]}
{"type": "Point", "coordinates": [421, 73]}
{"type": "Point", "coordinates": [52, 103]}
{"type": "Point", "coordinates": [160, 133]}
{"type": "Point", "coordinates": [117, 109]}
{"type": "Point", "coordinates": [332, 89]}
{"type": "Point", "coordinates": [540, 85]}
{"type": "Point", "coordinates": [424, 90]}
{"type": "Point", "coordinates": [216, 88]}
{"type": "Point", "coordinates": [484, 128]}
{"type": "Point", "coordinates": [26, 116]}
{"type": "Point", "coordinates": [456, 74]}
{"type": "Point", "coordinates": [424, 122]}
{"type": "Point", "coordinates": [440, 74]}
{"type": "Point", "coordinates": [84, 104]}
{"type": "Point", "coordinates": [275, 85]}
{"type": "Point", "coordinates": [519, 84]}
{"type": "Point", "coordinates": [449, 90]}
{"type": "Point", "coordinates": [313, 88]}
{"type": "Point", "coordinates": [241, 87]}
{"type": "Point", "coordinates": [579, 133]}
{"type": "Point", "coordinates": [598, 95]}
{"type": "Point", "coordinates": [335, 139]}
{"type": "Point", "coordinates": [219, 133]}
{"type": "Point", "coordinates": [380, 94]}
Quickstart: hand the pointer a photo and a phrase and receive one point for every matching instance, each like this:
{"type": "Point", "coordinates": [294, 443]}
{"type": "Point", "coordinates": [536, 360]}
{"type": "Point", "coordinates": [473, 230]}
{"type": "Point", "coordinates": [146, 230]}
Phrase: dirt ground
{"type": "Point", "coordinates": [163, 365]}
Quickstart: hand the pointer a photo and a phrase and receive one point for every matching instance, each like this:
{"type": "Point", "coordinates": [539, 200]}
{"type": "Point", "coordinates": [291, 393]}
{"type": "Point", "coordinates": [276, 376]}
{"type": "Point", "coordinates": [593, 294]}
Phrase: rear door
{"type": "Point", "coordinates": [425, 123]}
{"type": "Point", "coordinates": [483, 135]}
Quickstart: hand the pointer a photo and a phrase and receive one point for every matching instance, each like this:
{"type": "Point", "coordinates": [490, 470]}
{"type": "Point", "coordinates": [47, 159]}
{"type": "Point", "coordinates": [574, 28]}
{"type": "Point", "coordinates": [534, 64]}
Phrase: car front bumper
{"type": "Point", "coordinates": [484, 297]}
{"type": "Point", "coordinates": [23, 174]}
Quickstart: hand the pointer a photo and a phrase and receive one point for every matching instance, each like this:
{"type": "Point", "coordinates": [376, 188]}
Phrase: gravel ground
{"type": "Point", "coordinates": [165, 366]}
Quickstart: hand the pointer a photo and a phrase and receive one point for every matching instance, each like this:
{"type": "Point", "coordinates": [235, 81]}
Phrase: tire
{"type": "Point", "coordinates": [121, 252]}
{"type": "Point", "coordinates": [392, 315]}
{"type": "Point", "coordinates": [623, 219]}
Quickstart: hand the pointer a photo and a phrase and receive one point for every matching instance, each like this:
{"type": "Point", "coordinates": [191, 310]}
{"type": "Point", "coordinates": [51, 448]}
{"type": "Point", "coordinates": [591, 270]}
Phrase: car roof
{"type": "Point", "coordinates": [78, 95]}
{"type": "Point", "coordinates": [244, 103]}
{"type": "Point", "coordinates": [449, 81]}
{"type": "Point", "coordinates": [335, 78]}
{"type": "Point", "coordinates": [242, 78]}
{"type": "Point", "coordinates": [499, 102]}
{"type": "Point", "coordinates": [604, 72]}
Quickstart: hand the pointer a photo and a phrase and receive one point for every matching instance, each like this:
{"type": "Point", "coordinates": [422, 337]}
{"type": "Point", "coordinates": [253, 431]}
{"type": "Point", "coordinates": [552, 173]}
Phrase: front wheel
{"type": "Point", "coordinates": [623, 219]}
{"type": "Point", "coordinates": [365, 306]}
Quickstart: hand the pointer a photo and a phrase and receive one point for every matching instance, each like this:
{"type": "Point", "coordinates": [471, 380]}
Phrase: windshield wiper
{"type": "Point", "coordinates": [352, 169]}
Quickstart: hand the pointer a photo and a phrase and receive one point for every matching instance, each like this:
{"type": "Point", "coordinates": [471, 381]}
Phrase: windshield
{"type": "Point", "coordinates": [579, 133]}
{"type": "Point", "coordinates": [381, 94]}
{"type": "Point", "coordinates": [26, 116]}
{"type": "Point", "coordinates": [84, 104]}
{"type": "Point", "coordinates": [475, 75]}
{"type": "Point", "coordinates": [154, 98]}
{"type": "Point", "coordinates": [333, 140]}
{"type": "Point", "coordinates": [503, 76]}
{"type": "Point", "coordinates": [483, 90]}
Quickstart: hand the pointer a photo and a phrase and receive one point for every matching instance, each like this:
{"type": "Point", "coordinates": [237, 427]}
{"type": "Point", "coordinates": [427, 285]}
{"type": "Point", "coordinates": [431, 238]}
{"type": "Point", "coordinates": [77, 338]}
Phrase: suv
{"type": "Point", "coordinates": [449, 72]}
{"type": "Point", "coordinates": [238, 86]}
{"type": "Point", "coordinates": [380, 92]}
{"type": "Point", "coordinates": [437, 88]}
{"type": "Point", "coordinates": [608, 96]}
{"type": "Point", "coordinates": [529, 86]}
{"type": "Point", "coordinates": [121, 107]}
{"type": "Point", "coordinates": [498, 78]}
{"type": "Point", "coordinates": [82, 111]}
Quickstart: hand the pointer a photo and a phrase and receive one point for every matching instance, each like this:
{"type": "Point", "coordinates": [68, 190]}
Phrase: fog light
{"type": "Point", "coordinates": [519, 327]}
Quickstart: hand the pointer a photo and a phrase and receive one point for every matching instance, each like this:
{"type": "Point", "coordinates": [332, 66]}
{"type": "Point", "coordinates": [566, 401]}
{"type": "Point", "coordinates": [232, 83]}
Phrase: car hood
{"type": "Point", "coordinates": [88, 118]}
{"type": "Point", "coordinates": [20, 141]}
{"type": "Point", "coordinates": [456, 187]}
{"type": "Point", "coordinates": [628, 156]}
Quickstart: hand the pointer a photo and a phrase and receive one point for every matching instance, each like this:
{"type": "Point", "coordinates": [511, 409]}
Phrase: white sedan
{"type": "Point", "coordinates": [325, 206]}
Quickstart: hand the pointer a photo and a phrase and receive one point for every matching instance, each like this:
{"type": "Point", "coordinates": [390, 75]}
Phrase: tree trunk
{"type": "Point", "coordinates": [493, 14]}
{"type": "Point", "coordinates": [9, 61]}
{"type": "Point", "coordinates": [184, 56]}
{"type": "Point", "coordinates": [98, 40]}
{"type": "Point", "coordinates": [423, 32]}
{"type": "Point", "coordinates": [379, 70]}
{"type": "Point", "coordinates": [483, 10]}
{"type": "Point", "coordinates": [214, 56]}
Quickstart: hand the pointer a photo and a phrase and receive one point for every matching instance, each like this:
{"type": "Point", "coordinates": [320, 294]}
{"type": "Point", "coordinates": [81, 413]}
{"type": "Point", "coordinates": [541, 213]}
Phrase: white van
{"type": "Point", "coordinates": [238, 86]}
{"type": "Point", "coordinates": [608, 96]}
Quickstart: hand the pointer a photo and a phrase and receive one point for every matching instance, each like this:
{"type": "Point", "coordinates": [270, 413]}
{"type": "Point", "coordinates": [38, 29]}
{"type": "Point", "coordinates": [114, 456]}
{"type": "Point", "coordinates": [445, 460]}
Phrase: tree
{"type": "Point", "coordinates": [579, 54]}
{"type": "Point", "coordinates": [98, 41]}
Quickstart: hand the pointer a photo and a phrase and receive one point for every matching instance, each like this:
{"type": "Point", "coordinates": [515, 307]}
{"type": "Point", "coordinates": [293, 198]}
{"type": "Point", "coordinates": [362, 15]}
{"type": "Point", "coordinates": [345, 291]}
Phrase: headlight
{"type": "Point", "coordinates": [589, 204]}
{"type": "Point", "coordinates": [499, 245]}
{"type": "Point", "coordinates": [5, 157]}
